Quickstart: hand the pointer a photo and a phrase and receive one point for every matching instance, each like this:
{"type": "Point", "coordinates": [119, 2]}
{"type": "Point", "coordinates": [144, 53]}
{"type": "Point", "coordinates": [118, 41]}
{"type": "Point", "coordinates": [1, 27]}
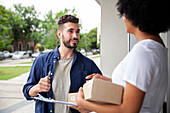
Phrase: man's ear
{"type": "Point", "coordinates": [59, 33]}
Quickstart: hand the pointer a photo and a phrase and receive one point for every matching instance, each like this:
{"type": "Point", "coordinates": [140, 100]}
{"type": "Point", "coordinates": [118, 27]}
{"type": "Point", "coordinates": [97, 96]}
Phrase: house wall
{"type": "Point", "coordinates": [23, 45]}
{"type": "Point", "coordinates": [113, 46]}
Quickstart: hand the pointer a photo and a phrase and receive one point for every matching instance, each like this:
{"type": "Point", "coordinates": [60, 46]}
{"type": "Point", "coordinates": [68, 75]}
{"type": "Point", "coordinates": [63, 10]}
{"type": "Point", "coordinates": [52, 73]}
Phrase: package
{"type": "Point", "coordinates": [102, 91]}
{"type": "Point", "coordinates": [72, 98]}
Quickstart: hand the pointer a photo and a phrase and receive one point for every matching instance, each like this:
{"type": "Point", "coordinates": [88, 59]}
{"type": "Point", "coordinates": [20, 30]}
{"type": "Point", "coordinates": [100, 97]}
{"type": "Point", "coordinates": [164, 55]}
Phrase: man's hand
{"type": "Point", "coordinates": [42, 86]}
{"type": "Point", "coordinates": [98, 76]}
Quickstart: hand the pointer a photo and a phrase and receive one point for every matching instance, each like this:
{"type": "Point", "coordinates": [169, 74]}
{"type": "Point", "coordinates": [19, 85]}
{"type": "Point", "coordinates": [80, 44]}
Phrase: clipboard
{"type": "Point", "coordinates": [41, 98]}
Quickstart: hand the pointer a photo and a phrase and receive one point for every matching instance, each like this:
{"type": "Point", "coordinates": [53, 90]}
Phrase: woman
{"type": "Point", "coordinates": [143, 72]}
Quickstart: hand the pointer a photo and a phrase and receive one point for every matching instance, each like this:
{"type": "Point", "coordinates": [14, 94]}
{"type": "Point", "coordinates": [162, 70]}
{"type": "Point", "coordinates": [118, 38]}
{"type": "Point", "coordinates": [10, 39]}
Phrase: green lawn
{"type": "Point", "coordinates": [11, 72]}
{"type": "Point", "coordinates": [27, 63]}
{"type": "Point", "coordinates": [94, 57]}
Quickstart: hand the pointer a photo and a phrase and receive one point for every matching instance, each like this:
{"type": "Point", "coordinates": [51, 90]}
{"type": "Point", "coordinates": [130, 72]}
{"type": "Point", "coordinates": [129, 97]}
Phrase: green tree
{"type": "Point", "coordinates": [92, 35]}
{"type": "Point", "coordinates": [24, 21]}
{"type": "Point", "coordinates": [49, 25]}
{"type": "Point", "coordinates": [36, 37]}
{"type": "Point", "coordinates": [5, 38]}
{"type": "Point", "coordinates": [81, 44]}
{"type": "Point", "coordinates": [16, 23]}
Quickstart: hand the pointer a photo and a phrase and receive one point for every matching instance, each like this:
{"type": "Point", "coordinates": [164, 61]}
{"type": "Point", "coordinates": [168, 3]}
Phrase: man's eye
{"type": "Point", "coordinates": [71, 31]}
{"type": "Point", "coordinates": [78, 32]}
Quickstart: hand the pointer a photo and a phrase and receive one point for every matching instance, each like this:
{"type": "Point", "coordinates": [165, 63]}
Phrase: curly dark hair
{"type": "Point", "coordinates": [67, 18]}
{"type": "Point", "coordinates": [151, 16]}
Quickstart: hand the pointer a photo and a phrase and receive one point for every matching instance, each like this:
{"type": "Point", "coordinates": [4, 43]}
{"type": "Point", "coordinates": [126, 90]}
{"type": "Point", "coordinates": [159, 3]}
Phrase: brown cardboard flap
{"type": "Point", "coordinates": [103, 91]}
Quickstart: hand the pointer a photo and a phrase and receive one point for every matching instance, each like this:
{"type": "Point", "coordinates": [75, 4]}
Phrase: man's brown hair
{"type": "Point", "coordinates": [67, 18]}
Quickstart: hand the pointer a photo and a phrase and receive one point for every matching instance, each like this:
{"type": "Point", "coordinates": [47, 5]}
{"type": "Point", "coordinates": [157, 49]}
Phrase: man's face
{"type": "Point", "coordinates": [70, 35]}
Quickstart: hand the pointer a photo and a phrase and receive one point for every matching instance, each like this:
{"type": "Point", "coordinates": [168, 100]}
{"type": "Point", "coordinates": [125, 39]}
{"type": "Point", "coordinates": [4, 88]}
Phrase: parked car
{"type": "Point", "coordinates": [95, 51]}
{"type": "Point", "coordinates": [82, 51]}
{"type": "Point", "coordinates": [2, 56]}
{"type": "Point", "coordinates": [29, 52]}
{"type": "Point", "coordinates": [20, 55]}
{"type": "Point", "coordinates": [13, 53]}
{"type": "Point", "coordinates": [6, 53]}
{"type": "Point", "coordinates": [35, 54]}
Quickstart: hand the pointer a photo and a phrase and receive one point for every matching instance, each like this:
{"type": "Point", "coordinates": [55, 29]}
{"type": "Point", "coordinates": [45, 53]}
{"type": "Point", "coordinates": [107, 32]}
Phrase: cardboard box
{"type": "Point", "coordinates": [102, 91]}
{"type": "Point", "coordinates": [72, 99]}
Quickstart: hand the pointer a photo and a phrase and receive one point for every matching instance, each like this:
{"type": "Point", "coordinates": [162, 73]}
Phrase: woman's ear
{"type": "Point", "coordinates": [124, 19]}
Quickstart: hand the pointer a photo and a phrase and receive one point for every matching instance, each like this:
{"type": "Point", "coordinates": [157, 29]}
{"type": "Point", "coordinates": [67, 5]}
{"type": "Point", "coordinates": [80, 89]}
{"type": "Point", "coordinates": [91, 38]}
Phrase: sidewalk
{"type": "Point", "coordinates": [12, 99]}
{"type": "Point", "coordinates": [11, 96]}
{"type": "Point", "coordinates": [14, 63]}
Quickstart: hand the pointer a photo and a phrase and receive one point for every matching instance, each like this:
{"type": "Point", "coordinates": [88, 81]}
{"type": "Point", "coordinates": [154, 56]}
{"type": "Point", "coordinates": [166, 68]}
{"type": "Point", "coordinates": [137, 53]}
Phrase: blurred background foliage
{"type": "Point", "coordinates": [25, 22]}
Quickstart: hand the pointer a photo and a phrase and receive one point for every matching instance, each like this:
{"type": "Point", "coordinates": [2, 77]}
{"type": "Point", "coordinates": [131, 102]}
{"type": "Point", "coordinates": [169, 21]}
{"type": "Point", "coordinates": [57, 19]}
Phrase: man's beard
{"type": "Point", "coordinates": [67, 43]}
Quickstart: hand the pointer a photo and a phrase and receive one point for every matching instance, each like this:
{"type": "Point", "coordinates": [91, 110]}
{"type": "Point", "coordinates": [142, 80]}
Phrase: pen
{"type": "Point", "coordinates": [48, 74]}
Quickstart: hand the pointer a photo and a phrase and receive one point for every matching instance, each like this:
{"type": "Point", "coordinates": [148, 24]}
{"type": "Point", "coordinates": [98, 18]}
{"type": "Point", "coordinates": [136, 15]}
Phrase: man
{"type": "Point", "coordinates": [68, 69]}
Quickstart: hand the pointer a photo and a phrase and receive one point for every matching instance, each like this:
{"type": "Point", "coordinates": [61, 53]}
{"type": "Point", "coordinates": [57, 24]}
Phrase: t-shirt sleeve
{"type": "Point", "coordinates": [139, 69]}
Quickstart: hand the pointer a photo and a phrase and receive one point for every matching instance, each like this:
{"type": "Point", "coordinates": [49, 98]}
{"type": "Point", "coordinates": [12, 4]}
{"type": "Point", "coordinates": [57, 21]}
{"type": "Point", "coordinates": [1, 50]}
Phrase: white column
{"type": "Point", "coordinates": [113, 44]}
{"type": "Point", "coordinates": [168, 90]}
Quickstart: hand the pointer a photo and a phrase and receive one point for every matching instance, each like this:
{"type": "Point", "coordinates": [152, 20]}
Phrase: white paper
{"type": "Point", "coordinates": [41, 98]}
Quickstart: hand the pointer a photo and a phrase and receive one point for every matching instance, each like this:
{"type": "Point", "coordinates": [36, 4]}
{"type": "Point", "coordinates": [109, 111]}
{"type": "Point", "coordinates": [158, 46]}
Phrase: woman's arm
{"type": "Point", "coordinates": [99, 76]}
{"type": "Point", "coordinates": [132, 102]}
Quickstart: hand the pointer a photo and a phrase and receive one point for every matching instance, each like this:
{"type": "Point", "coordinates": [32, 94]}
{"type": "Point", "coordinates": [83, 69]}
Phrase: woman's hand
{"type": "Point", "coordinates": [98, 76]}
{"type": "Point", "coordinates": [82, 110]}
{"type": "Point", "coordinates": [80, 100]}
{"type": "Point", "coordinates": [80, 97]}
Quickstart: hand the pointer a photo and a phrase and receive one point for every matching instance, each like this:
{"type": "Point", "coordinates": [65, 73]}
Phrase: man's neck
{"type": "Point", "coordinates": [66, 52]}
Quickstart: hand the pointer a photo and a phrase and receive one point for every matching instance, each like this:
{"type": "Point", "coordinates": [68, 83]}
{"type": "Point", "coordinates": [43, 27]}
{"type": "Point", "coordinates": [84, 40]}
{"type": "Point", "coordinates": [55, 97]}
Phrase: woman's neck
{"type": "Point", "coordinates": [143, 36]}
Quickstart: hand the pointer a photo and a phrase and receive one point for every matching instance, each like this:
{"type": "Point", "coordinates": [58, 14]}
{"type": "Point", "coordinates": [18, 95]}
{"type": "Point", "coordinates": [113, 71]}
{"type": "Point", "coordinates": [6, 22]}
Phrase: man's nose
{"type": "Point", "coordinates": [75, 35]}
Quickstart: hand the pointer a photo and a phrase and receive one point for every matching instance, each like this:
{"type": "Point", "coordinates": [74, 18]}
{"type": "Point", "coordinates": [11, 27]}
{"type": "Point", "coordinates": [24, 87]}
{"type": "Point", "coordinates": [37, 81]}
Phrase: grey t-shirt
{"type": "Point", "coordinates": [61, 84]}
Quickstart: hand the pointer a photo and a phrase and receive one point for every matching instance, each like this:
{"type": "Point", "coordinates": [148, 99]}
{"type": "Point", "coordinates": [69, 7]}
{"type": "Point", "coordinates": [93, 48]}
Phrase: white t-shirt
{"type": "Point", "coordinates": [145, 67]}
